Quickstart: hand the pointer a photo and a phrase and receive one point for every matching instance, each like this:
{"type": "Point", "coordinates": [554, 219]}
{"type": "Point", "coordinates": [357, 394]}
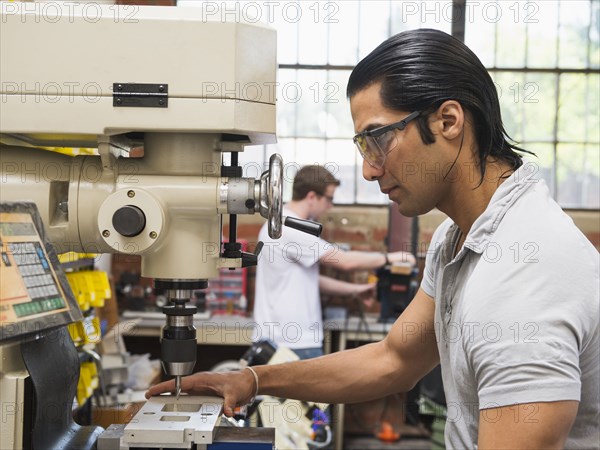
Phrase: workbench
{"type": "Point", "coordinates": [215, 330]}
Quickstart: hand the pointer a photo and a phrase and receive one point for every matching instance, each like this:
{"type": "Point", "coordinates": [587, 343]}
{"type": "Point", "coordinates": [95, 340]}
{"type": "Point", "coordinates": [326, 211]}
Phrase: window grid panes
{"type": "Point", "coordinates": [544, 61]}
{"type": "Point", "coordinates": [314, 123]}
{"type": "Point", "coordinates": [543, 56]}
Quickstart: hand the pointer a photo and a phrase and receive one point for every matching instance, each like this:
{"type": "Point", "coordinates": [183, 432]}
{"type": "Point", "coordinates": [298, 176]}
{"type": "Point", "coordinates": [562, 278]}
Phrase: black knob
{"type": "Point", "coordinates": [129, 221]}
{"type": "Point", "coordinates": [307, 226]}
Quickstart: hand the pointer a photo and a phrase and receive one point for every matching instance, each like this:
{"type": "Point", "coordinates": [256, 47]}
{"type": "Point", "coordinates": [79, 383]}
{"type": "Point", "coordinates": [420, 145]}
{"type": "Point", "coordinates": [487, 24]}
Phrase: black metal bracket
{"type": "Point", "coordinates": [141, 95]}
{"type": "Point", "coordinates": [53, 366]}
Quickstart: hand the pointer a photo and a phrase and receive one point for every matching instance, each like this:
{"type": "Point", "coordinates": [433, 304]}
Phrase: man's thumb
{"type": "Point", "coordinates": [228, 406]}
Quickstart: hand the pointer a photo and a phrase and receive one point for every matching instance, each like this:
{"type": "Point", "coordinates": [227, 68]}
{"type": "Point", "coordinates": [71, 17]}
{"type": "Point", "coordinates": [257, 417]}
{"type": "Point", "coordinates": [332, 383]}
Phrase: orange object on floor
{"type": "Point", "coordinates": [387, 434]}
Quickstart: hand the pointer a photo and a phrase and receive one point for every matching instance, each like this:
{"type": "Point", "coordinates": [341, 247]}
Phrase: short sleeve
{"type": "Point", "coordinates": [545, 369]}
{"type": "Point", "coordinates": [524, 344]}
{"type": "Point", "coordinates": [302, 248]}
{"type": "Point", "coordinates": [432, 258]}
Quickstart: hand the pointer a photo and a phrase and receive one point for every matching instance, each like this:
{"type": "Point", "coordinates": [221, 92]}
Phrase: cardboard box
{"type": "Point", "coordinates": [104, 416]}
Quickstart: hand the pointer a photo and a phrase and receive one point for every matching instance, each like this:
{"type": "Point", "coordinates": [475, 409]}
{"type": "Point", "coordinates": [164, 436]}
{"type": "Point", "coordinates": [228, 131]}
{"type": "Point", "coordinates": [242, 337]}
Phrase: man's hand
{"type": "Point", "coordinates": [403, 257]}
{"type": "Point", "coordinates": [236, 388]}
{"type": "Point", "coordinates": [366, 293]}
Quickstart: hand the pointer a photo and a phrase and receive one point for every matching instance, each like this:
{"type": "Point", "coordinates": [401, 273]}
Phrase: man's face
{"type": "Point", "coordinates": [322, 203]}
{"type": "Point", "coordinates": [412, 172]}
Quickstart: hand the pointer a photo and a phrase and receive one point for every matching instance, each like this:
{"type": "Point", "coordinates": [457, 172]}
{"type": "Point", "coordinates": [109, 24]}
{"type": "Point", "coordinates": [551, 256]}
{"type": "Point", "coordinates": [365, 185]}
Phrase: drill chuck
{"type": "Point", "coordinates": [178, 342]}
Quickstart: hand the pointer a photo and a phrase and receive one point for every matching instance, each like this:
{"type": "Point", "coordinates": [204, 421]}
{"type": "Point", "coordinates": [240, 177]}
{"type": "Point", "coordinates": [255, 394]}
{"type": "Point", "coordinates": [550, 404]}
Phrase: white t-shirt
{"type": "Point", "coordinates": [517, 313]}
{"type": "Point", "coordinates": [287, 303]}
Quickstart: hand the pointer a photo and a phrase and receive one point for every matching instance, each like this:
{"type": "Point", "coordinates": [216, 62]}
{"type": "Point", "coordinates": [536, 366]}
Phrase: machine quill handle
{"type": "Point", "coordinates": [306, 226]}
{"type": "Point", "coordinates": [275, 196]}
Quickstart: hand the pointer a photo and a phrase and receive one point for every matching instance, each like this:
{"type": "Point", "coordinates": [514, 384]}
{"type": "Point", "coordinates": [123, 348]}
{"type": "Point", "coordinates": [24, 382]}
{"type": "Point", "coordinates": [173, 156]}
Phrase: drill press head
{"type": "Point", "coordinates": [166, 205]}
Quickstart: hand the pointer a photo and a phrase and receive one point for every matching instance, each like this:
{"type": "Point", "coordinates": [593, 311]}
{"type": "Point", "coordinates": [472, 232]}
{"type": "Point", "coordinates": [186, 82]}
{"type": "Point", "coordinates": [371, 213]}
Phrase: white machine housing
{"type": "Point", "coordinates": [57, 73]}
{"type": "Point", "coordinates": [119, 79]}
{"type": "Point", "coordinates": [60, 87]}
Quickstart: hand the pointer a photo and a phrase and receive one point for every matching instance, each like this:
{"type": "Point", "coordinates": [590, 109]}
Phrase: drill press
{"type": "Point", "coordinates": [173, 84]}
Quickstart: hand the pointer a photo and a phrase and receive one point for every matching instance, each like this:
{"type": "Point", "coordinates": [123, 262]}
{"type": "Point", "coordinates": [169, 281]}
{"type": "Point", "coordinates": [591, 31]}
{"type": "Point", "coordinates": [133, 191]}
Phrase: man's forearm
{"type": "Point", "coordinates": [392, 365]}
{"type": "Point", "coordinates": [345, 377]}
{"type": "Point", "coordinates": [354, 260]}
{"type": "Point", "coordinates": [328, 285]}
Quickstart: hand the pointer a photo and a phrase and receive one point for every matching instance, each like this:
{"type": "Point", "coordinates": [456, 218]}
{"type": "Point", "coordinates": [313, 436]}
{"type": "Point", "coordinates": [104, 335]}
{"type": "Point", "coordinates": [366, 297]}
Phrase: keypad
{"type": "Point", "coordinates": [37, 276]}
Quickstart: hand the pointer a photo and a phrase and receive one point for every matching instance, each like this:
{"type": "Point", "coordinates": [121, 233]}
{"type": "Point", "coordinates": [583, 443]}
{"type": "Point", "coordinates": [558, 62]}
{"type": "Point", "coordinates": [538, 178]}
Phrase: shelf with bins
{"type": "Point", "coordinates": [91, 288]}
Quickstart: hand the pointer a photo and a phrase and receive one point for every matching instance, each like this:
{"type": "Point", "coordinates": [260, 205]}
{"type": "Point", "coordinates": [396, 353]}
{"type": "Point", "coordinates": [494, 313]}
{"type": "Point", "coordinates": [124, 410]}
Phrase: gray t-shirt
{"type": "Point", "coordinates": [517, 312]}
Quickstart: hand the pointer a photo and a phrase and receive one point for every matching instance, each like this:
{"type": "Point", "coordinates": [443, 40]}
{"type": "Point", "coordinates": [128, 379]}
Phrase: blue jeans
{"type": "Point", "coordinates": [308, 353]}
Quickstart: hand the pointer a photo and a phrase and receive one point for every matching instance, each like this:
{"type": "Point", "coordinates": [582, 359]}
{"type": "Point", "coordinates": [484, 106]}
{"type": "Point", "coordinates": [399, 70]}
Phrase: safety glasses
{"type": "Point", "coordinates": [374, 145]}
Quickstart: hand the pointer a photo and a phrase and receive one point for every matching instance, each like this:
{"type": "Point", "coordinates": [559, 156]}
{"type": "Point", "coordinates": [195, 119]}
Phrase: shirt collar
{"type": "Point", "coordinates": [288, 212]}
{"type": "Point", "coordinates": [505, 196]}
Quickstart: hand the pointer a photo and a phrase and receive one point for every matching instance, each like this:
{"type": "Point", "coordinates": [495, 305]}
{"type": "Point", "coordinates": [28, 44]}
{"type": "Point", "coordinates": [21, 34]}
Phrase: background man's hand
{"type": "Point", "coordinates": [366, 293]}
{"type": "Point", "coordinates": [404, 257]}
{"type": "Point", "coordinates": [236, 388]}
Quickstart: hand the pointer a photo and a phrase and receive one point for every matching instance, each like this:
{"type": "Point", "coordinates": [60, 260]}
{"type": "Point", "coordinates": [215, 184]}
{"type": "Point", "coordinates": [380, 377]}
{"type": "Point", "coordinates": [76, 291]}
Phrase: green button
{"type": "Point", "coordinates": [20, 309]}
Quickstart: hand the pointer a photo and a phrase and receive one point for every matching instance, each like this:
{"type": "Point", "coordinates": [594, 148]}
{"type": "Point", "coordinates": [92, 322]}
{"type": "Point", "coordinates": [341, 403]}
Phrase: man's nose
{"type": "Point", "coordinates": [371, 173]}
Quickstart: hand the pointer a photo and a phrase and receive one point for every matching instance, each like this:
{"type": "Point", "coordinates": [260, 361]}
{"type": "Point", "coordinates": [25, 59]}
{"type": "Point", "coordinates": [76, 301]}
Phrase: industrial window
{"type": "Point", "coordinates": [543, 56]}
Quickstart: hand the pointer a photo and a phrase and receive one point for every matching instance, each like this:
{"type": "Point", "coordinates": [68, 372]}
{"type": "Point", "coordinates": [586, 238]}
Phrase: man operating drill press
{"type": "Point", "coordinates": [423, 97]}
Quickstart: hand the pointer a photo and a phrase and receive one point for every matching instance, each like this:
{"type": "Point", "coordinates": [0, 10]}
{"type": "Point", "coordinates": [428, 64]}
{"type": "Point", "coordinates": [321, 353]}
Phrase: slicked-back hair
{"type": "Point", "coordinates": [312, 178]}
{"type": "Point", "coordinates": [420, 69]}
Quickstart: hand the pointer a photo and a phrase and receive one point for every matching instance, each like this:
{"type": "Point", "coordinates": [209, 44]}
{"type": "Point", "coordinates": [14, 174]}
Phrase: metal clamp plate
{"type": "Point", "coordinates": [146, 95]}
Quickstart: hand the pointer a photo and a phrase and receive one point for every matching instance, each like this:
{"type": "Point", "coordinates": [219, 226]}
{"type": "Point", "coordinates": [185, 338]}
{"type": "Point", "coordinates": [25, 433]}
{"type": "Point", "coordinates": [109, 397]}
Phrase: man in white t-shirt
{"type": "Point", "coordinates": [287, 303]}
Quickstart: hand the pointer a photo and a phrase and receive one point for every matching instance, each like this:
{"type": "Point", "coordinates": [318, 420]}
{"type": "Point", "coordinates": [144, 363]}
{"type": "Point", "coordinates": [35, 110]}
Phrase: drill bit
{"type": "Point", "coordinates": [178, 385]}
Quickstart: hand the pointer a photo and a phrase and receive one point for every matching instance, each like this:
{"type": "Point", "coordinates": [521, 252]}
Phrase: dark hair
{"type": "Point", "coordinates": [312, 178]}
{"type": "Point", "coordinates": [421, 69]}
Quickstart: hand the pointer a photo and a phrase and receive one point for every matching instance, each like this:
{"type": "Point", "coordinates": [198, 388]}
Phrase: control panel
{"type": "Point", "coordinates": [33, 294]}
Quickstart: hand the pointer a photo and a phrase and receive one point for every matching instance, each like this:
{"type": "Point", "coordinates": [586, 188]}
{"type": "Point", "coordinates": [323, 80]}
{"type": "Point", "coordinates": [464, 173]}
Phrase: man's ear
{"type": "Point", "coordinates": [311, 195]}
{"type": "Point", "coordinates": [449, 120]}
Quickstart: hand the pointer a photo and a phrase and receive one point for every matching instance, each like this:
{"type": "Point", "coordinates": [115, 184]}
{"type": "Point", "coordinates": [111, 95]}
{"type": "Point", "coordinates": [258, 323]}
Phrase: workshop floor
{"type": "Point", "coordinates": [371, 443]}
